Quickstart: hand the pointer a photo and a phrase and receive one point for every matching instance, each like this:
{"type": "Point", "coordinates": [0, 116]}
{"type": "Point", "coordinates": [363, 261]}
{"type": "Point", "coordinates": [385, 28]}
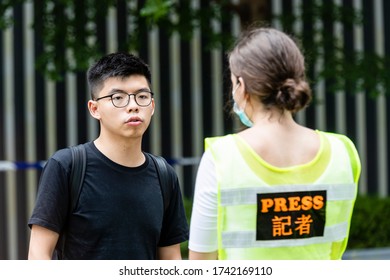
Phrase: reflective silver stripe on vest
{"type": "Point", "coordinates": [240, 196]}
{"type": "Point", "coordinates": [247, 239]}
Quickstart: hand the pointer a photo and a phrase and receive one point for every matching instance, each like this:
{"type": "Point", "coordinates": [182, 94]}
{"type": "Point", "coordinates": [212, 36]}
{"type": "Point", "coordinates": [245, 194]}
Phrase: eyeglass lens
{"type": "Point", "coordinates": [121, 99]}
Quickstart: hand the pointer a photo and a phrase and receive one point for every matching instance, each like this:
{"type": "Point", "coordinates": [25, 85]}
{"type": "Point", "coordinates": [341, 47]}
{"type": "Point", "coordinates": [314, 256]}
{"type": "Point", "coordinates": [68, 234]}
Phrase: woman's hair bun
{"type": "Point", "coordinates": [293, 96]}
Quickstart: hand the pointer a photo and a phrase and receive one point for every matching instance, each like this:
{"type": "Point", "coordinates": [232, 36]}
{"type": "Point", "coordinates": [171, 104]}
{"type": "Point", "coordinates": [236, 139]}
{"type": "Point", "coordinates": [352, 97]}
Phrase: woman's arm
{"type": "Point", "coordinates": [203, 256]}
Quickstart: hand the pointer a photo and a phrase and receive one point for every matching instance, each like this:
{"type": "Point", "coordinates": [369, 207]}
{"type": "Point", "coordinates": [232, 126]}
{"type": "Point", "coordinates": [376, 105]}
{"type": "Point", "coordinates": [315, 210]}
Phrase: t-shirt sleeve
{"type": "Point", "coordinates": [51, 206]}
{"type": "Point", "coordinates": [175, 226]}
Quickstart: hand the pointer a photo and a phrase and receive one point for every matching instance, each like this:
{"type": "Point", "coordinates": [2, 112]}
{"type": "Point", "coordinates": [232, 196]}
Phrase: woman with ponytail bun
{"type": "Point", "coordinates": [272, 190]}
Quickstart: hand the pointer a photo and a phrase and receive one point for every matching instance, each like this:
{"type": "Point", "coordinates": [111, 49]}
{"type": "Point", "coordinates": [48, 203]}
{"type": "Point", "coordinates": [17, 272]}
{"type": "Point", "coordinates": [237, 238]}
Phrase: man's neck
{"type": "Point", "coordinates": [125, 152]}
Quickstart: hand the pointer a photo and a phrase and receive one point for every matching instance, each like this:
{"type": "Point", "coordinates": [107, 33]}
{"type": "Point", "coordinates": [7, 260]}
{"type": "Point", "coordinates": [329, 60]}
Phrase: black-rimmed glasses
{"type": "Point", "coordinates": [121, 99]}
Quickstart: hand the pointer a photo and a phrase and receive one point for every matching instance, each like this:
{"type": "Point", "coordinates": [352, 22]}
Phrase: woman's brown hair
{"type": "Point", "coordinates": [272, 67]}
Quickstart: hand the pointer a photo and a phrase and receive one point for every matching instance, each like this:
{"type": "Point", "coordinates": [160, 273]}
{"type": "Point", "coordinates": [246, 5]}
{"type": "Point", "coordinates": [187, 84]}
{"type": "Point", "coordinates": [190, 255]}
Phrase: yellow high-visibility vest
{"type": "Point", "coordinates": [300, 212]}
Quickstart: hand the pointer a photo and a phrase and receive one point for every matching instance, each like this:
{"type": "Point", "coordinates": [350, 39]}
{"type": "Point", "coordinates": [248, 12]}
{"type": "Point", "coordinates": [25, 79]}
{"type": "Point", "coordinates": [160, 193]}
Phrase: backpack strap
{"type": "Point", "coordinates": [79, 163]}
{"type": "Point", "coordinates": [164, 177]}
{"type": "Point", "coordinates": [76, 179]}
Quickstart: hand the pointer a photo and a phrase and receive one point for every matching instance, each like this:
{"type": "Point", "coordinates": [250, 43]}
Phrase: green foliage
{"type": "Point", "coordinates": [68, 28]}
{"type": "Point", "coordinates": [183, 18]}
{"type": "Point", "coordinates": [6, 19]}
{"type": "Point", "coordinates": [156, 10]}
{"type": "Point", "coordinates": [325, 51]}
{"type": "Point", "coordinates": [370, 227]}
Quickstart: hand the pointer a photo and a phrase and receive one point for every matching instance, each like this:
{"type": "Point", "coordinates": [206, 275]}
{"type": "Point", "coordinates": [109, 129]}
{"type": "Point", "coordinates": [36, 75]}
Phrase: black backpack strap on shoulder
{"type": "Point", "coordinates": [79, 162]}
{"type": "Point", "coordinates": [164, 177]}
{"type": "Point", "coordinates": [78, 166]}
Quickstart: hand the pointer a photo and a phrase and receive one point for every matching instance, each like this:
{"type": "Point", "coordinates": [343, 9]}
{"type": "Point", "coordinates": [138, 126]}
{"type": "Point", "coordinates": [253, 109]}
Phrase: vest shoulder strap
{"type": "Point", "coordinates": [352, 152]}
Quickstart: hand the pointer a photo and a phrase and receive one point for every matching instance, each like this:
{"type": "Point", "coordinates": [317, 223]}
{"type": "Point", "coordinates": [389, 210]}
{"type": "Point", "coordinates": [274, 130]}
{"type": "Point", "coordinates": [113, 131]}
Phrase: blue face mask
{"type": "Point", "coordinates": [241, 113]}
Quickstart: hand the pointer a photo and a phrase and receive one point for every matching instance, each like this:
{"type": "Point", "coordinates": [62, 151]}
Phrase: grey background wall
{"type": "Point", "coordinates": [39, 116]}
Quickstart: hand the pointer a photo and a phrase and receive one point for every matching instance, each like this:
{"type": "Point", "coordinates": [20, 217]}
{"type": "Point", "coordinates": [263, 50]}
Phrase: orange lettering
{"type": "Point", "coordinates": [280, 204]}
{"type": "Point", "coordinates": [294, 203]}
{"type": "Point", "coordinates": [307, 203]}
{"type": "Point", "coordinates": [318, 201]}
{"type": "Point", "coordinates": [265, 204]}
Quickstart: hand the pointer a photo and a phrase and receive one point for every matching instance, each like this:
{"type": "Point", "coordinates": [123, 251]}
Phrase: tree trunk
{"type": "Point", "coordinates": [251, 11]}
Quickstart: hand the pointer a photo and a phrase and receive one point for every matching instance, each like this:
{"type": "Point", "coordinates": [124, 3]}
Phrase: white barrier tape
{"type": "Point", "coordinates": [6, 165]}
{"type": "Point", "coordinates": [12, 165]}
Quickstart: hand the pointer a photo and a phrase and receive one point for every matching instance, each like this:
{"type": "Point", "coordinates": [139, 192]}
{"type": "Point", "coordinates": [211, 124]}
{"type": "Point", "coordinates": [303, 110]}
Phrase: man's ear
{"type": "Point", "coordinates": [153, 105]}
{"type": "Point", "coordinates": [94, 109]}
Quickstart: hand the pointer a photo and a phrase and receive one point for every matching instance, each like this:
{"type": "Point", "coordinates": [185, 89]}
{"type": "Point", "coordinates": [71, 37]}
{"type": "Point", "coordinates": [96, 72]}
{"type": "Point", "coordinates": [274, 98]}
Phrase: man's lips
{"type": "Point", "coordinates": [133, 120]}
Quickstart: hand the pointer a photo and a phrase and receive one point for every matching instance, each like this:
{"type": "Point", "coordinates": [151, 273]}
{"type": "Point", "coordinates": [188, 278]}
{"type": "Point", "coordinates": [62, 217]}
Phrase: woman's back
{"type": "Point", "coordinates": [276, 190]}
{"type": "Point", "coordinates": [282, 142]}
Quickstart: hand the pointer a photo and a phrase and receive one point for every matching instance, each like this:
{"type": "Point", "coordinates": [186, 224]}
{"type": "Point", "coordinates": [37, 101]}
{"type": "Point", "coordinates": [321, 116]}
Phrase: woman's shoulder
{"type": "Point", "coordinates": [218, 140]}
{"type": "Point", "coordinates": [340, 137]}
{"type": "Point", "coordinates": [350, 148]}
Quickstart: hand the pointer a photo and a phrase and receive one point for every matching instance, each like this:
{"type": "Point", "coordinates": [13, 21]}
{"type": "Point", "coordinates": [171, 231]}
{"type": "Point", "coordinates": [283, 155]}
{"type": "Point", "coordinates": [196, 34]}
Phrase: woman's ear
{"type": "Point", "coordinates": [94, 109]}
{"type": "Point", "coordinates": [242, 86]}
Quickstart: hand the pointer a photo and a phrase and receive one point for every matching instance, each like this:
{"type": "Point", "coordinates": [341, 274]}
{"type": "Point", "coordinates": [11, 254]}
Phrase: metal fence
{"type": "Point", "coordinates": [39, 116]}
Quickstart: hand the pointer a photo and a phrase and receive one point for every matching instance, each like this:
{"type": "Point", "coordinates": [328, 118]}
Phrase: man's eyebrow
{"type": "Point", "coordinates": [118, 90]}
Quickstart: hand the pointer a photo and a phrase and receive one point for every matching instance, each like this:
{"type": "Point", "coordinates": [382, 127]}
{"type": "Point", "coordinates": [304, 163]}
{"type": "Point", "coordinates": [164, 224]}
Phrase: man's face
{"type": "Point", "coordinates": [130, 121]}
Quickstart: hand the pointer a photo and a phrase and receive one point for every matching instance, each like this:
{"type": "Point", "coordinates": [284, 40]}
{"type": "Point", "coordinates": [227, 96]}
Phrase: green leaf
{"type": "Point", "coordinates": [155, 10]}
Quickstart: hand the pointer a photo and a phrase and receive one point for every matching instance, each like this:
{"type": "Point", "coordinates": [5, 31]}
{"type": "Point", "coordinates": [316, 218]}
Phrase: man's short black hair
{"type": "Point", "coordinates": [120, 64]}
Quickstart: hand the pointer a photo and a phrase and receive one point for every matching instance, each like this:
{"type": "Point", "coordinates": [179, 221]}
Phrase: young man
{"type": "Point", "coordinates": [120, 212]}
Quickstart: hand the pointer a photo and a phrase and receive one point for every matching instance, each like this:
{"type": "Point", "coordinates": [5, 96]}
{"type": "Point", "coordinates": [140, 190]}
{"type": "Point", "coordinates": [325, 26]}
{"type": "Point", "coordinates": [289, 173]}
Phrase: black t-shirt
{"type": "Point", "coordinates": [120, 212]}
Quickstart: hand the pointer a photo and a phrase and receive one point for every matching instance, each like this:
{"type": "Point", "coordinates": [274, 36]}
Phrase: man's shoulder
{"type": "Point", "coordinates": [64, 155]}
{"type": "Point", "coordinates": [171, 171]}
